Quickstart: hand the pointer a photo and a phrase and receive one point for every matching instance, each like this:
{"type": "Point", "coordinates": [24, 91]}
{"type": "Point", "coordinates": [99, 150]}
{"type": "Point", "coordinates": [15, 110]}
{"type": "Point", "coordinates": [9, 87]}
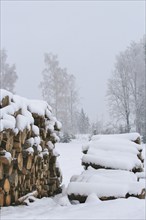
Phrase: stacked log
{"type": "Point", "coordinates": [28, 159]}
{"type": "Point", "coordinates": [111, 164]}
{"type": "Point", "coordinates": [109, 148]}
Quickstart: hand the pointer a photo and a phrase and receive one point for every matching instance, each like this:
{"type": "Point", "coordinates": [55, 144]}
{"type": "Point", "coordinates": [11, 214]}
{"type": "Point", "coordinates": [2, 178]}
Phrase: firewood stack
{"type": "Point", "coordinates": [126, 147]}
{"type": "Point", "coordinates": [28, 159]}
{"type": "Point", "coordinates": [113, 164]}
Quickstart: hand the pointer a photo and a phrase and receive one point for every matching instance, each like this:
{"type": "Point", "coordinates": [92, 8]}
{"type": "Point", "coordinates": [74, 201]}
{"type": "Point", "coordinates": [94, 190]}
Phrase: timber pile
{"type": "Point", "coordinates": [111, 164]}
{"type": "Point", "coordinates": [27, 149]}
{"type": "Point", "coordinates": [121, 151]}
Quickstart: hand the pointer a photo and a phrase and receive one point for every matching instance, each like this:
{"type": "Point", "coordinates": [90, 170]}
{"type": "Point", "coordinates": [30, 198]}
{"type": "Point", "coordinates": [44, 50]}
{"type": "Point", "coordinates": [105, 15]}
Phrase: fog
{"type": "Point", "coordinates": [86, 36]}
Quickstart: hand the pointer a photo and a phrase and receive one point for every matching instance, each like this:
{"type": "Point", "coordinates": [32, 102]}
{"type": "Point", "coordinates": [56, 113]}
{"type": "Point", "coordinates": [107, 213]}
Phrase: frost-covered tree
{"type": "Point", "coordinates": [83, 123]}
{"type": "Point", "coordinates": [126, 88]}
{"type": "Point", "coordinates": [8, 74]}
{"type": "Point", "coordinates": [119, 91]}
{"type": "Point", "coordinates": [97, 127]}
{"type": "Point", "coordinates": [136, 63]}
{"type": "Point", "coordinates": [59, 90]}
{"type": "Point", "coordinates": [73, 102]}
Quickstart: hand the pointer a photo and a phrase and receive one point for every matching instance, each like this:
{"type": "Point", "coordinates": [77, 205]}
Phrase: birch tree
{"type": "Point", "coordinates": [136, 63]}
{"type": "Point", "coordinates": [59, 90]}
{"type": "Point", "coordinates": [127, 88]}
{"type": "Point", "coordinates": [119, 92]}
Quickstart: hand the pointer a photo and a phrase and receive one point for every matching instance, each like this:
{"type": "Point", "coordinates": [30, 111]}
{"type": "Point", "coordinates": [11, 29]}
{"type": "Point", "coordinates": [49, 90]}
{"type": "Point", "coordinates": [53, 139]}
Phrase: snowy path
{"type": "Point", "coordinates": [60, 208]}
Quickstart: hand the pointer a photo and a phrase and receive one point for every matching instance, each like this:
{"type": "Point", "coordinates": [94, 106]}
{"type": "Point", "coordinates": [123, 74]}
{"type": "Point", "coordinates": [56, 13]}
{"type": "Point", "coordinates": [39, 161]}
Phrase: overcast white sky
{"type": "Point", "coordinates": [86, 36]}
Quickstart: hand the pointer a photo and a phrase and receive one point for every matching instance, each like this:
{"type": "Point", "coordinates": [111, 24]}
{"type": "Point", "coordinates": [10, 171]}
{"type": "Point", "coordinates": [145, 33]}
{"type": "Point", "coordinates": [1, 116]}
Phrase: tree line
{"type": "Point", "coordinates": [58, 88]}
{"type": "Point", "coordinates": [126, 92]}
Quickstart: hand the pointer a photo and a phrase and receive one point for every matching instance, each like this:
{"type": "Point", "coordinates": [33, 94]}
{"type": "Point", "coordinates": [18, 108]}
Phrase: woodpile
{"type": "Point", "coordinates": [112, 164]}
{"type": "Point", "coordinates": [28, 159]}
{"type": "Point", "coordinates": [116, 152]}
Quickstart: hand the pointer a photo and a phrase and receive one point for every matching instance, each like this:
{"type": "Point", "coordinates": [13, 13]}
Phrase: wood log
{"type": "Point", "coordinates": [3, 143]}
{"type": "Point", "coordinates": [19, 179]}
{"type": "Point", "coordinates": [5, 160]}
{"type": "Point", "coordinates": [22, 199]}
{"type": "Point", "coordinates": [20, 161]}
{"type": "Point", "coordinates": [24, 135]}
{"type": "Point", "coordinates": [29, 134]}
{"type": "Point", "coordinates": [7, 199]}
{"type": "Point", "coordinates": [142, 194]}
{"type": "Point", "coordinates": [35, 159]}
{"type": "Point", "coordinates": [42, 143]}
{"type": "Point", "coordinates": [28, 184]}
{"type": "Point", "coordinates": [2, 152]}
{"type": "Point", "coordinates": [14, 178]}
{"type": "Point", "coordinates": [36, 168]}
{"type": "Point", "coordinates": [33, 168]}
{"type": "Point", "coordinates": [43, 133]}
{"type": "Point", "coordinates": [17, 138]}
{"type": "Point", "coordinates": [17, 146]}
{"type": "Point", "coordinates": [18, 112]}
{"type": "Point", "coordinates": [9, 143]}
{"type": "Point", "coordinates": [16, 196]}
{"type": "Point", "coordinates": [1, 171]}
{"type": "Point", "coordinates": [11, 169]}
{"type": "Point", "coordinates": [6, 186]}
{"type": "Point", "coordinates": [24, 171]}
{"type": "Point", "coordinates": [13, 153]}
{"type": "Point", "coordinates": [29, 162]}
{"type": "Point", "coordinates": [1, 198]}
{"type": "Point", "coordinates": [95, 166]}
{"type": "Point", "coordinates": [7, 169]}
{"type": "Point", "coordinates": [1, 136]}
{"type": "Point", "coordinates": [137, 141]}
{"type": "Point", "coordinates": [5, 102]}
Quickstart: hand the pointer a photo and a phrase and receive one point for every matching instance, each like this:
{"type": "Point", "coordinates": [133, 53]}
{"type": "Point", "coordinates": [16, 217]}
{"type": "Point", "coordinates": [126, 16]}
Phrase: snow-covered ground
{"type": "Point", "coordinates": [59, 207]}
{"type": "Point", "coordinates": [69, 159]}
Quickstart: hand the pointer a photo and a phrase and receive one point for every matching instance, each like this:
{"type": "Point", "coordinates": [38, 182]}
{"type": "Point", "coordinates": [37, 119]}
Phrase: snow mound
{"type": "Point", "coordinates": [92, 198]}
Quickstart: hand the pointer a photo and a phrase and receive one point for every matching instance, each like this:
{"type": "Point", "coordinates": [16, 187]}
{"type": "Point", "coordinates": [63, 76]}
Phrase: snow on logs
{"type": "Point", "coordinates": [121, 151]}
{"type": "Point", "coordinates": [28, 159]}
{"type": "Point", "coordinates": [110, 163]}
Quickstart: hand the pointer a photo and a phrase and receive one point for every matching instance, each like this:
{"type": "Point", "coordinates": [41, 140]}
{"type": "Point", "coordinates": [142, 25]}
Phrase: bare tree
{"type": "Point", "coordinates": [126, 88]}
{"type": "Point", "coordinates": [136, 63]}
{"type": "Point", "coordinates": [8, 74]}
{"type": "Point", "coordinates": [119, 92]}
{"type": "Point", "coordinates": [73, 103]}
{"type": "Point", "coordinates": [59, 90]}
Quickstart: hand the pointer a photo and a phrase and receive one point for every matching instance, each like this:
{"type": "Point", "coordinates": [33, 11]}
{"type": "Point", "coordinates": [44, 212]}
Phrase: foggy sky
{"type": "Point", "coordinates": [86, 36]}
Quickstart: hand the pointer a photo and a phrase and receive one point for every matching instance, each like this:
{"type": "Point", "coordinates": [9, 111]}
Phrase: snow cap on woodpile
{"type": "Point", "coordinates": [13, 104]}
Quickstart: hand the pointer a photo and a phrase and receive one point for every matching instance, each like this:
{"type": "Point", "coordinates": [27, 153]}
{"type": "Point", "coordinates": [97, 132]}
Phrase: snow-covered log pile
{"type": "Point", "coordinates": [28, 159]}
{"type": "Point", "coordinates": [114, 152]}
{"type": "Point", "coordinates": [110, 163]}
